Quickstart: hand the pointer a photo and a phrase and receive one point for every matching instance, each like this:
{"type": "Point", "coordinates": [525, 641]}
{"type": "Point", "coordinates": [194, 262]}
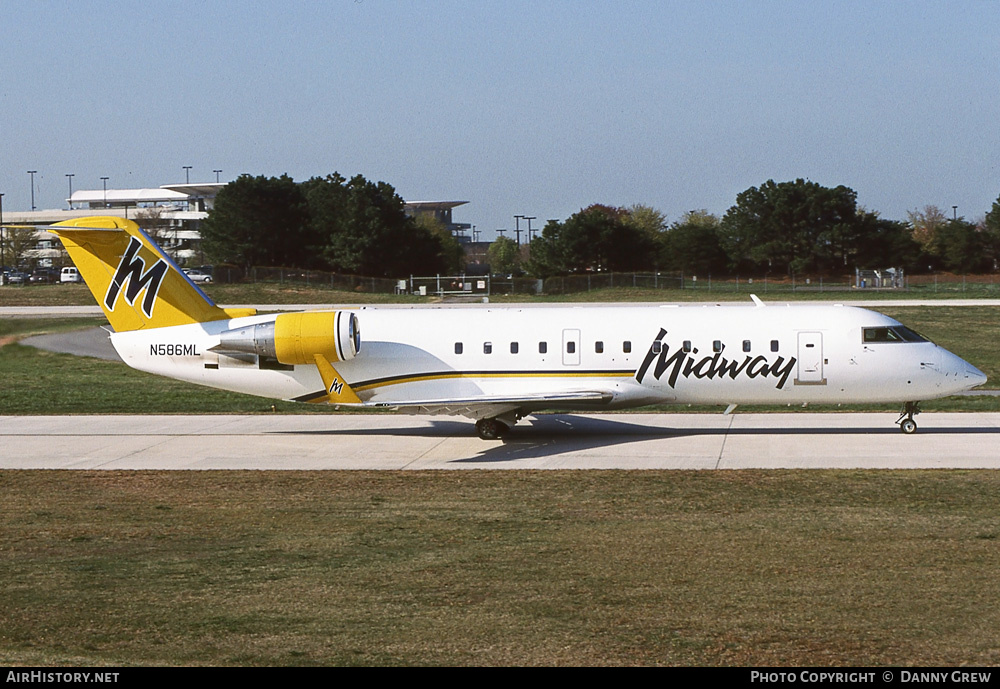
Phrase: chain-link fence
{"type": "Point", "coordinates": [483, 286]}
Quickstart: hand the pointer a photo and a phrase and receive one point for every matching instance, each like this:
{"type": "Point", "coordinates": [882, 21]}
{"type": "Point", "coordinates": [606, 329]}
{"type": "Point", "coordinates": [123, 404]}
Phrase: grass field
{"type": "Point", "coordinates": [827, 568]}
{"type": "Point", "coordinates": [500, 568]}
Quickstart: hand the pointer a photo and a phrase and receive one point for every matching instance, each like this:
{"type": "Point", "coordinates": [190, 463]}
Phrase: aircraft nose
{"type": "Point", "coordinates": [974, 376]}
{"type": "Point", "coordinates": [962, 374]}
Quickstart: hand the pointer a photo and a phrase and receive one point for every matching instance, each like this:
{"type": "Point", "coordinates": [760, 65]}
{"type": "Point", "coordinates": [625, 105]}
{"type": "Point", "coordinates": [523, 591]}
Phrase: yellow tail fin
{"type": "Point", "coordinates": [137, 285]}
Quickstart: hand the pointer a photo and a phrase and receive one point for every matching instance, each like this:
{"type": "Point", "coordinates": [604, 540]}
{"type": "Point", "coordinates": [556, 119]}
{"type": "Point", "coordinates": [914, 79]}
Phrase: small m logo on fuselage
{"type": "Point", "coordinates": [133, 276]}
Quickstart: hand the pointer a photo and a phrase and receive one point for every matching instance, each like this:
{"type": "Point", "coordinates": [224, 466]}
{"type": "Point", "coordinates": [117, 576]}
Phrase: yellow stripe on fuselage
{"type": "Point", "coordinates": [423, 377]}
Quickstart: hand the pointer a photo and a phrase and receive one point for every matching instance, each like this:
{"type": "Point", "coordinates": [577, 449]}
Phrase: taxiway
{"type": "Point", "coordinates": [551, 441]}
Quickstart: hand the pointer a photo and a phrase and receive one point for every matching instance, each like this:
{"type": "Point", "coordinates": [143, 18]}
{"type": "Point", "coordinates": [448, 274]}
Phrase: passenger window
{"type": "Point", "coordinates": [487, 348]}
{"type": "Point", "coordinates": [774, 345]}
{"type": "Point", "coordinates": [543, 347]}
{"type": "Point", "coordinates": [746, 345]}
{"type": "Point", "coordinates": [599, 347]}
{"type": "Point", "coordinates": [571, 347]}
{"type": "Point", "coordinates": [458, 348]}
{"type": "Point", "coordinates": [627, 347]}
{"type": "Point", "coordinates": [657, 347]}
{"type": "Point", "coordinates": [717, 346]}
{"type": "Point", "coordinates": [687, 345]}
{"type": "Point", "coordinates": [513, 348]}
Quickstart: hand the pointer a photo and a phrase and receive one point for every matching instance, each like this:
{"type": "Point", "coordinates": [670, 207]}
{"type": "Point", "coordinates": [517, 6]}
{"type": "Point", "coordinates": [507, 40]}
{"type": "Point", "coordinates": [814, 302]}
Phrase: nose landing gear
{"type": "Point", "coordinates": [905, 420]}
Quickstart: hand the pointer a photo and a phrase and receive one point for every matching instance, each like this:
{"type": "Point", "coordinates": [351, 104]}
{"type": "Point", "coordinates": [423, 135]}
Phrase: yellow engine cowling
{"type": "Point", "coordinates": [299, 337]}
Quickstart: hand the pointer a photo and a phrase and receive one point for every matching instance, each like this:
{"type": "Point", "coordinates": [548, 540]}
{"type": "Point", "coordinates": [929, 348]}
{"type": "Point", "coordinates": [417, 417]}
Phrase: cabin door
{"type": "Point", "coordinates": [571, 347]}
{"type": "Point", "coordinates": [810, 360]}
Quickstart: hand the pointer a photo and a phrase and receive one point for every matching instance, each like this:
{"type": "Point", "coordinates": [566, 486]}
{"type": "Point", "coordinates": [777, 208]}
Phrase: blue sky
{"type": "Point", "coordinates": [533, 108]}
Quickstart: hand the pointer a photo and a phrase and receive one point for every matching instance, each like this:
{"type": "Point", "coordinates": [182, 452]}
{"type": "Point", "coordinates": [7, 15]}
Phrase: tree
{"type": "Point", "coordinates": [991, 234]}
{"type": "Point", "coordinates": [925, 225]}
{"type": "Point", "coordinates": [362, 228]}
{"type": "Point", "coordinates": [960, 246]}
{"type": "Point", "coordinates": [691, 245]}
{"type": "Point", "coordinates": [596, 238]}
{"type": "Point", "coordinates": [450, 254]}
{"type": "Point", "coordinates": [884, 243]}
{"type": "Point", "coordinates": [503, 256]}
{"type": "Point", "coordinates": [259, 221]}
{"type": "Point", "coordinates": [18, 242]}
{"type": "Point", "coordinates": [792, 227]}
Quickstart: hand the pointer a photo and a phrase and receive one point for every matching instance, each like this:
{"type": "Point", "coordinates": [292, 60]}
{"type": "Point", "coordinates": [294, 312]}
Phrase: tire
{"type": "Point", "coordinates": [490, 429]}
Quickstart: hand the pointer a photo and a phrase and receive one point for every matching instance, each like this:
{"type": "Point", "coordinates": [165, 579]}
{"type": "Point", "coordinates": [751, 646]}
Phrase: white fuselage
{"type": "Point", "coordinates": [636, 354]}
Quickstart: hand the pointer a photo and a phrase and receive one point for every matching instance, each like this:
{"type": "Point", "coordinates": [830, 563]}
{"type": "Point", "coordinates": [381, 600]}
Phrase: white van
{"type": "Point", "coordinates": [69, 274]}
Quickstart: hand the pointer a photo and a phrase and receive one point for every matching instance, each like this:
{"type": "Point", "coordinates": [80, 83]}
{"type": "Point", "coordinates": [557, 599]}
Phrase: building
{"type": "Point", "coordinates": [441, 211]}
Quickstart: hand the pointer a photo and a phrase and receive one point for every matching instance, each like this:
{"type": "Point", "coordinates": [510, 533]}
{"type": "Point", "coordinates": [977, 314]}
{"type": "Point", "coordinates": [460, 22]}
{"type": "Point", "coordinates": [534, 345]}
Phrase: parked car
{"type": "Point", "coordinates": [198, 276]}
{"type": "Point", "coordinates": [43, 275]}
{"type": "Point", "coordinates": [69, 274]}
{"type": "Point", "coordinates": [16, 277]}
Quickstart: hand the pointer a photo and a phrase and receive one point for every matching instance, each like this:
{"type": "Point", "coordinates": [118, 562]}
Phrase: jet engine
{"type": "Point", "coordinates": [296, 338]}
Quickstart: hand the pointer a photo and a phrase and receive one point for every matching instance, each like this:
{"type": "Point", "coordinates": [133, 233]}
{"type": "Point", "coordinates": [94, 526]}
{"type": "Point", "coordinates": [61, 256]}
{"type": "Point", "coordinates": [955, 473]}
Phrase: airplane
{"type": "Point", "coordinates": [498, 364]}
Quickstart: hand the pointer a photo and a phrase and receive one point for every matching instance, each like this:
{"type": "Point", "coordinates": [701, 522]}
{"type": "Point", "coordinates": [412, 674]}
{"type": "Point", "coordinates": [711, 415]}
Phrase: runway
{"type": "Point", "coordinates": [552, 441]}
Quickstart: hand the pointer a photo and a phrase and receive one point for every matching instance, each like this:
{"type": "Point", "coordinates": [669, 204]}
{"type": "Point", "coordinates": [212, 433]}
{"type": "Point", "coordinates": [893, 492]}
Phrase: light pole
{"type": "Point", "coordinates": [217, 173]}
{"type": "Point", "coordinates": [954, 212]}
{"type": "Point", "coordinates": [105, 180]}
{"type": "Point", "coordinates": [70, 199]}
{"type": "Point", "coordinates": [32, 173]}
{"type": "Point", "coordinates": [517, 228]}
{"type": "Point", "coordinates": [187, 174]}
{"type": "Point", "coordinates": [529, 218]}
{"type": "Point", "coordinates": [3, 248]}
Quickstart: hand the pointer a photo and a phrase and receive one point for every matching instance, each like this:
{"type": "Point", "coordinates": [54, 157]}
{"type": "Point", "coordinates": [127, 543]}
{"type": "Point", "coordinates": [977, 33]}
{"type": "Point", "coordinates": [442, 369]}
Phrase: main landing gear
{"type": "Point", "coordinates": [491, 429]}
{"type": "Point", "coordinates": [905, 420]}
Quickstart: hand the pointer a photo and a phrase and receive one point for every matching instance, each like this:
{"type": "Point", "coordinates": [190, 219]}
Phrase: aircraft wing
{"type": "Point", "coordinates": [488, 407]}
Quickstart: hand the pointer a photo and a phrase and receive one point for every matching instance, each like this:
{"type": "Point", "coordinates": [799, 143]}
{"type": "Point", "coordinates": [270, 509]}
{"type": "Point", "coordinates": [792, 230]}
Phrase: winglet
{"type": "Point", "coordinates": [338, 391]}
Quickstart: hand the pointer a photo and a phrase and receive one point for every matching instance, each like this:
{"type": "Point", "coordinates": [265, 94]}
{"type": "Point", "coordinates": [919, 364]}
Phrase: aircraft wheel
{"type": "Point", "coordinates": [490, 429]}
{"type": "Point", "coordinates": [908, 426]}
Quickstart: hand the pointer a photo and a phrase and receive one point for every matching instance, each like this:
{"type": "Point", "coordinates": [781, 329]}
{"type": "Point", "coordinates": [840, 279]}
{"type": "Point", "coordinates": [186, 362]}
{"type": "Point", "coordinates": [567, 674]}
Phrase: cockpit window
{"type": "Point", "coordinates": [896, 333]}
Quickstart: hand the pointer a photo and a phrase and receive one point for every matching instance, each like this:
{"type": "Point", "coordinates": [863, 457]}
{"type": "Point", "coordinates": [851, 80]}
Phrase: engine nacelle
{"type": "Point", "coordinates": [295, 338]}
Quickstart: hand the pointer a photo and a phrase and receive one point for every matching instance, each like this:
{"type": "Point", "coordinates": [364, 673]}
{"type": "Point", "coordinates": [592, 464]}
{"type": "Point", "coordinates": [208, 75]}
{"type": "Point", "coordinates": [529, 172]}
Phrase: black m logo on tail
{"type": "Point", "coordinates": [132, 275]}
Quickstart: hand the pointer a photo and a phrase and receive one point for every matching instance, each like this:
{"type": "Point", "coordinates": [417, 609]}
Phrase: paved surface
{"type": "Point", "coordinates": [557, 441]}
{"type": "Point", "coordinates": [92, 342]}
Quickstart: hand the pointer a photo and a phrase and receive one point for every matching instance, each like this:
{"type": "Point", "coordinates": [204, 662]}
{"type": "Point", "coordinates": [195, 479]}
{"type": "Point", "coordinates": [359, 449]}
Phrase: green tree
{"type": "Point", "coordinates": [449, 251]}
{"type": "Point", "coordinates": [960, 246]}
{"type": "Point", "coordinates": [362, 228]}
{"type": "Point", "coordinates": [503, 256]}
{"type": "Point", "coordinates": [691, 245]}
{"type": "Point", "coordinates": [991, 234]}
{"type": "Point", "coordinates": [259, 221]}
{"type": "Point", "coordinates": [596, 238]}
{"type": "Point", "coordinates": [792, 227]}
{"type": "Point", "coordinates": [886, 243]}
